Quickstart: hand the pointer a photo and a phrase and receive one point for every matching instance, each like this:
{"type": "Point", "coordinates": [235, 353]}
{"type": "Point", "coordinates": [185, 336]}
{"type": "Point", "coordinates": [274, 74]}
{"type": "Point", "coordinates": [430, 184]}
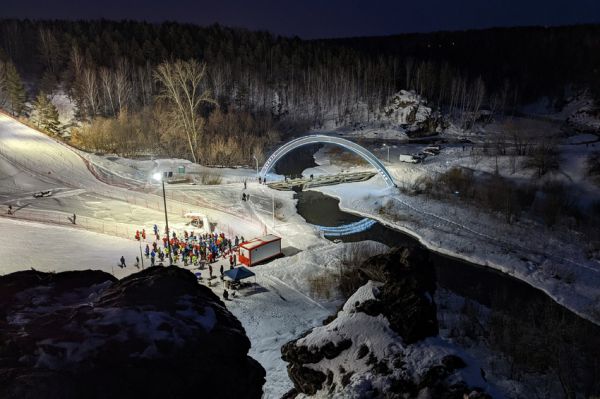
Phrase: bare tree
{"type": "Point", "coordinates": [544, 157]}
{"type": "Point", "coordinates": [89, 85]}
{"type": "Point", "coordinates": [122, 84]}
{"type": "Point", "coordinates": [181, 88]}
{"type": "Point", "coordinates": [106, 78]}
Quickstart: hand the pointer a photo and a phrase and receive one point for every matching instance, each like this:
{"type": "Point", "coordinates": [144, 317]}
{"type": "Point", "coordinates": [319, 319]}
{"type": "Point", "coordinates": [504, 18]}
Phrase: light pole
{"type": "Point", "coordinates": [141, 256]}
{"type": "Point", "coordinates": [273, 197]}
{"type": "Point", "coordinates": [158, 176]}
{"type": "Point", "coordinates": [388, 151]}
{"type": "Point", "coordinates": [254, 156]}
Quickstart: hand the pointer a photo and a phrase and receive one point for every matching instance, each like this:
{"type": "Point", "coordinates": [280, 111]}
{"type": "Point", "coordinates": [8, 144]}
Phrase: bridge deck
{"type": "Point", "coordinates": [317, 181]}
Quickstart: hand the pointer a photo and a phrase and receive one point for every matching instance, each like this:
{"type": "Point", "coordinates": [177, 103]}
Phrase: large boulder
{"type": "Point", "coordinates": [156, 333]}
{"type": "Point", "coordinates": [382, 342]}
{"type": "Point", "coordinates": [408, 110]}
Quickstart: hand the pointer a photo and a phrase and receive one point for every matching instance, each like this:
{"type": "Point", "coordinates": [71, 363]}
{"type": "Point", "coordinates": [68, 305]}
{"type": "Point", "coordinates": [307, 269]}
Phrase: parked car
{"type": "Point", "coordinates": [432, 150]}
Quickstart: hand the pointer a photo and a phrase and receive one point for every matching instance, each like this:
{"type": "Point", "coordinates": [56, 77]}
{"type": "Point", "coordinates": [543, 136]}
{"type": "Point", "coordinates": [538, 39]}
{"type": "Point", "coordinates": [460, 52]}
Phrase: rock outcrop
{"type": "Point", "coordinates": [409, 111]}
{"type": "Point", "coordinates": [406, 296]}
{"type": "Point", "coordinates": [154, 334]}
{"type": "Point", "coordinates": [382, 343]}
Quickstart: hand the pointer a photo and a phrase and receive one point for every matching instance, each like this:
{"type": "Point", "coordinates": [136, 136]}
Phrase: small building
{"type": "Point", "coordinates": [260, 249]}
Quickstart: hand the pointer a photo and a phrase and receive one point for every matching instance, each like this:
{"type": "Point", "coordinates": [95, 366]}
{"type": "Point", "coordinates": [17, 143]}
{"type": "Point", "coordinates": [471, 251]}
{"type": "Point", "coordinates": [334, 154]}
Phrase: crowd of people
{"type": "Point", "coordinates": [189, 248]}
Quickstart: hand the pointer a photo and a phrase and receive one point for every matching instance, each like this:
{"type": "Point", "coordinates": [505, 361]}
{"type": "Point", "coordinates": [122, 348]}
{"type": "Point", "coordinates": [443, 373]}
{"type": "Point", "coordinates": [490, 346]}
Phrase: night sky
{"type": "Point", "coordinates": [321, 18]}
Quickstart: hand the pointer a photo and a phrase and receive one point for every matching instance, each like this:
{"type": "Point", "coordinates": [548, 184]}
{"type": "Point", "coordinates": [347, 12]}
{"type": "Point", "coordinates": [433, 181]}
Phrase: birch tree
{"type": "Point", "coordinates": [181, 88]}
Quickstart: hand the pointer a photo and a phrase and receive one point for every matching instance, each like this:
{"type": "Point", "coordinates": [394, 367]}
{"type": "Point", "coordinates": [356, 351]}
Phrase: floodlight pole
{"type": "Point", "coordinates": [162, 180]}
{"type": "Point", "coordinates": [273, 197]}
{"type": "Point", "coordinates": [141, 256]}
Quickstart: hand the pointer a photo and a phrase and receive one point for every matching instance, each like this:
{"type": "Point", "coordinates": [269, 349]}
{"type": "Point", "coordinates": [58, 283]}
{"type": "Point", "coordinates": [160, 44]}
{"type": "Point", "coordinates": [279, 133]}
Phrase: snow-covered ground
{"type": "Point", "coordinates": [273, 311]}
{"type": "Point", "coordinates": [279, 307]}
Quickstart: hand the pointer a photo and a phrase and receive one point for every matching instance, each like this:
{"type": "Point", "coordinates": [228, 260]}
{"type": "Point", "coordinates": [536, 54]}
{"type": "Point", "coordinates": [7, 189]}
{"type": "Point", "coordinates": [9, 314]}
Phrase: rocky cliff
{"type": "Point", "coordinates": [157, 333]}
{"type": "Point", "coordinates": [383, 341]}
{"type": "Point", "coordinates": [409, 111]}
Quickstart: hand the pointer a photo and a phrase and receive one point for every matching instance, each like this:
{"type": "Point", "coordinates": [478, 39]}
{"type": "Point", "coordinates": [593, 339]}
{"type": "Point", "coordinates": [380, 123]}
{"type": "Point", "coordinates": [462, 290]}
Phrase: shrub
{"type": "Point", "coordinates": [323, 285]}
{"type": "Point", "coordinates": [457, 179]}
{"type": "Point", "coordinates": [543, 158]}
{"type": "Point", "coordinates": [210, 179]}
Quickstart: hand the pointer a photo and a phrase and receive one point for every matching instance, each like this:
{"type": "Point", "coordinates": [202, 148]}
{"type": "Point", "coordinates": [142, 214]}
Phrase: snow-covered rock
{"type": "Point", "coordinates": [408, 110]}
{"type": "Point", "coordinates": [156, 333]}
{"type": "Point", "coordinates": [365, 352]}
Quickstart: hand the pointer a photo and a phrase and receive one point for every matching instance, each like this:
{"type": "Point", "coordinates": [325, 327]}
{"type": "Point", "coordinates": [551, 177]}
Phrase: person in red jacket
{"type": "Point", "coordinates": [137, 235]}
{"type": "Point", "coordinates": [144, 234]}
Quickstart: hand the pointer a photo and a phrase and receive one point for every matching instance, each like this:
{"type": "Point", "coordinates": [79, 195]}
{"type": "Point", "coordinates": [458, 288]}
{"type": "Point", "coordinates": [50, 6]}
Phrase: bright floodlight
{"type": "Point", "coordinates": [157, 176]}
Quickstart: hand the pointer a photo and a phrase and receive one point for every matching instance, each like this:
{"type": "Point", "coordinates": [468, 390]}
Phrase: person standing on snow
{"type": "Point", "coordinates": [123, 262]}
{"type": "Point", "coordinates": [147, 251]}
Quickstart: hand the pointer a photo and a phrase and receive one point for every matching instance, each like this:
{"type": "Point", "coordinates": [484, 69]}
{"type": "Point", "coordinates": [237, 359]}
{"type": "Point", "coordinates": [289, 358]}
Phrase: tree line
{"type": "Point", "coordinates": [120, 70]}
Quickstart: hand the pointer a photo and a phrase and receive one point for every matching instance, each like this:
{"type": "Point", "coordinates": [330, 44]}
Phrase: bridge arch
{"type": "Point", "coordinates": [321, 138]}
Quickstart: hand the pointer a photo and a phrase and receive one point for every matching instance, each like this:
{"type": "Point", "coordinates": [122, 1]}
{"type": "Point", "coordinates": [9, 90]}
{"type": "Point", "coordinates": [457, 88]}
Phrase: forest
{"type": "Point", "coordinates": [246, 90]}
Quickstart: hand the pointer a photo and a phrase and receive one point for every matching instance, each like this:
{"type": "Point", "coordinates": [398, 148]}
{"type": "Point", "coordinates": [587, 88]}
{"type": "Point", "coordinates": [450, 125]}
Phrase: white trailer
{"type": "Point", "coordinates": [260, 249]}
{"type": "Point", "coordinates": [410, 158]}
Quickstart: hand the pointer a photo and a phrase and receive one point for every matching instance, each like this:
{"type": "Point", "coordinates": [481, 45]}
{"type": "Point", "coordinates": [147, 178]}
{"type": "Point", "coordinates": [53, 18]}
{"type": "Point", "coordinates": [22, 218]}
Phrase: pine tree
{"type": "Point", "coordinates": [46, 114]}
{"type": "Point", "coordinates": [15, 90]}
{"type": "Point", "coordinates": [52, 124]}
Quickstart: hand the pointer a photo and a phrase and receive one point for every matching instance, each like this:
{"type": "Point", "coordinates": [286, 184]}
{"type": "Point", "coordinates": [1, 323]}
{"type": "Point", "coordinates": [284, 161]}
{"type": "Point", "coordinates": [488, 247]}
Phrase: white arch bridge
{"type": "Point", "coordinates": [321, 138]}
{"type": "Point", "coordinates": [351, 228]}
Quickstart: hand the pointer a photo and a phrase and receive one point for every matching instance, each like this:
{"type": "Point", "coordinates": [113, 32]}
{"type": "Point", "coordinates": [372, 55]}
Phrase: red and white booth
{"type": "Point", "coordinates": [260, 249]}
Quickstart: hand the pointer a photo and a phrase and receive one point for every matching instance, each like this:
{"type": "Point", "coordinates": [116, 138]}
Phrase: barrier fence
{"type": "Point", "coordinates": [58, 218]}
{"type": "Point", "coordinates": [122, 230]}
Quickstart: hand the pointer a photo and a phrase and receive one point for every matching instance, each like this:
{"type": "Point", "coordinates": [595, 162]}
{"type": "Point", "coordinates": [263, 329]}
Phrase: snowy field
{"type": "Point", "coordinates": [51, 248]}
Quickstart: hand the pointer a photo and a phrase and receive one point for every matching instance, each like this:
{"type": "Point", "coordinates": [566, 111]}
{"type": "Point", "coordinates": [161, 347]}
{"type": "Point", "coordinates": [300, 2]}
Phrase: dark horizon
{"type": "Point", "coordinates": [311, 19]}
